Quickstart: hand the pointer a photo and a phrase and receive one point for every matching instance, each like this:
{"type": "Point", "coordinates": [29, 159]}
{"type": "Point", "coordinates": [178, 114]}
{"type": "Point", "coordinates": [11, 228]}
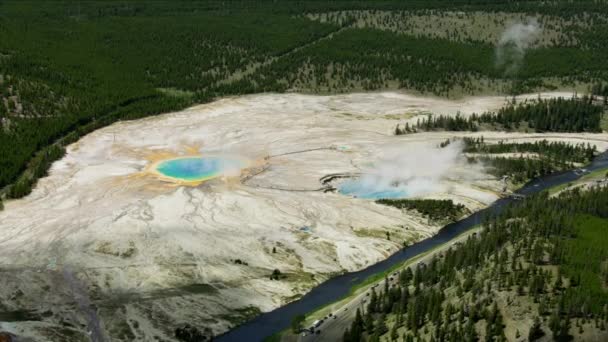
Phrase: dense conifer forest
{"type": "Point", "coordinates": [527, 160]}
{"type": "Point", "coordinates": [433, 209]}
{"type": "Point", "coordinates": [522, 161]}
{"type": "Point", "coordinates": [553, 115]}
{"type": "Point", "coordinates": [545, 256]}
{"type": "Point", "coordinates": [559, 151]}
{"type": "Point", "coordinates": [67, 68]}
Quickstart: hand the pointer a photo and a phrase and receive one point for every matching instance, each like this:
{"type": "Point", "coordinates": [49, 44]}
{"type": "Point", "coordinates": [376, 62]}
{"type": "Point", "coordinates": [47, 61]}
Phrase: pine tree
{"type": "Point", "coordinates": [394, 334]}
{"type": "Point", "coordinates": [373, 302]}
{"type": "Point", "coordinates": [535, 330]}
{"type": "Point", "coordinates": [346, 336]}
{"type": "Point", "coordinates": [380, 326]}
{"type": "Point", "coordinates": [470, 332]}
{"type": "Point", "coordinates": [369, 322]}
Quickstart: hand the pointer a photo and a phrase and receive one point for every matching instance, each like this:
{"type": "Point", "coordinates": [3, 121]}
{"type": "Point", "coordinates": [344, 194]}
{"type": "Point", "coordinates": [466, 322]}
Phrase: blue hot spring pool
{"type": "Point", "coordinates": [195, 169]}
{"type": "Point", "coordinates": [359, 189]}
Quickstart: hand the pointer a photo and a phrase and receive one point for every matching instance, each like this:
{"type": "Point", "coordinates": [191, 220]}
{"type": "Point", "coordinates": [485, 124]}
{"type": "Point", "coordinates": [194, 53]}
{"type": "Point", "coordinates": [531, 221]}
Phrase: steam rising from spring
{"type": "Point", "coordinates": [513, 43]}
{"type": "Point", "coordinates": [415, 169]}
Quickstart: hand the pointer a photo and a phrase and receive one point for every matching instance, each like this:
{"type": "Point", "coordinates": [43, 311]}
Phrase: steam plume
{"type": "Point", "coordinates": [414, 169]}
{"type": "Point", "coordinates": [513, 43]}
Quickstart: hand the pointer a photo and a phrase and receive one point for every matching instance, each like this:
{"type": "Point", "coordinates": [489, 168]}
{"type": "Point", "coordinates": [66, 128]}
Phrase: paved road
{"type": "Point", "coordinates": [332, 328]}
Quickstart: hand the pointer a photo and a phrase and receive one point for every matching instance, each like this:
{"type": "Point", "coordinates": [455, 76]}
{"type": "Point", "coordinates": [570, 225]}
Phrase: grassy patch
{"type": "Point", "coordinates": [274, 338]}
{"type": "Point", "coordinates": [241, 315]}
{"type": "Point", "coordinates": [597, 174]}
{"type": "Point", "coordinates": [299, 277]}
{"type": "Point", "coordinates": [601, 173]}
{"type": "Point", "coordinates": [373, 233]}
{"type": "Point", "coordinates": [558, 188]}
{"type": "Point", "coordinates": [200, 289]}
{"type": "Point", "coordinates": [174, 92]}
{"type": "Point", "coordinates": [434, 209]}
{"type": "Point", "coordinates": [604, 122]}
{"type": "Point", "coordinates": [381, 275]}
{"type": "Point", "coordinates": [584, 258]}
{"type": "Point", "coordinates": [403, 116]}
{"type": "Point", "coordinates": [18, 316]}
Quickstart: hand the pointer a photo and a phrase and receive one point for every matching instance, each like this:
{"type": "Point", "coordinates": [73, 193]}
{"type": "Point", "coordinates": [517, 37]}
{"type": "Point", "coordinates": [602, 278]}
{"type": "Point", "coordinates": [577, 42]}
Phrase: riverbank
{"type": "Point", "coordinates": [345, 309]}
{"type": "Point", "coordinates": [597, 177]}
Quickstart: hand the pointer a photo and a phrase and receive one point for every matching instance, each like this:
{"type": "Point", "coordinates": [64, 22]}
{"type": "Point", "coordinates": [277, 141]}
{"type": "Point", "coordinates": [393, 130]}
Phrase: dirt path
{"type": "Point", "coordinates": [253, 67]}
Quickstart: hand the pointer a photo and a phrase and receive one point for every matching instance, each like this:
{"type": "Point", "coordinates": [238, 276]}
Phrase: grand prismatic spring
{"type": "Point", "coordinates": [198, 169]}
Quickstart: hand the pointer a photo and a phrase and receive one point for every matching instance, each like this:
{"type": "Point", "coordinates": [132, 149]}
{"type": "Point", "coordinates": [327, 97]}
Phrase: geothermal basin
{"type": "Point", "coordinates": [125, 216]}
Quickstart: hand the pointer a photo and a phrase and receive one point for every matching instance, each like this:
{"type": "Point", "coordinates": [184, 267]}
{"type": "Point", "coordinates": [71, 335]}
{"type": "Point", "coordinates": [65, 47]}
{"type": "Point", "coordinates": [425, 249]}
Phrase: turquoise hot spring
{"type": "Point", "coordinates": [359, 189]}
{"type": "Point", "coordinates": [195, 169]}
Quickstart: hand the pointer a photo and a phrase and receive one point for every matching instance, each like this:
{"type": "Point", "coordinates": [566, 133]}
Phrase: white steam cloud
{"type": "Point", "coordinates": [513, 43]}
{"type": "Point", "coordinates": [415, 169]}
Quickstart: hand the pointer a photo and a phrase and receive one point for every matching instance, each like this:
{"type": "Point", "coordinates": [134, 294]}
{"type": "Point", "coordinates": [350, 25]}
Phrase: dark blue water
{"type": "Point", "coordinates": [333, 289]}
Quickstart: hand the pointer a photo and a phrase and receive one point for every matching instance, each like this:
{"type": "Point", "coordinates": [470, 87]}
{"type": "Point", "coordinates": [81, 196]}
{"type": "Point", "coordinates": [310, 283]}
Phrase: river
{"type": "Point", "coordinates": [336, 288]}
